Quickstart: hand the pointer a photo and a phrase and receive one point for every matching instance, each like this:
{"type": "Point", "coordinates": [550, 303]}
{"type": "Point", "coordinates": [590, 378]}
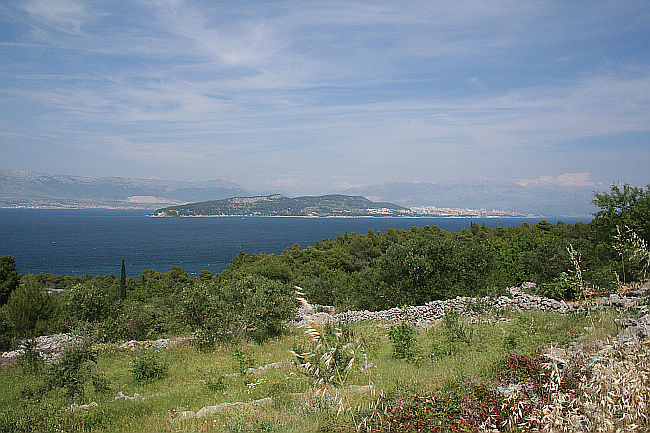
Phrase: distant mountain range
{"type": "Point", "coordinates": [279, 205]}
{"type": "Point", "coordinates": [31, 189]}
{"type": "Point", "coordinates": [20, 188]}
{"type": "Point", "coordinates": [541, 199]}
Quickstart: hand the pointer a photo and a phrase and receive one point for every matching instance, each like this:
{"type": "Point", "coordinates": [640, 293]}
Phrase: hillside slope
{"type": "Point", "coordinates": [279, 205]}
{"type": "Point", "coordinates": [32, 189]}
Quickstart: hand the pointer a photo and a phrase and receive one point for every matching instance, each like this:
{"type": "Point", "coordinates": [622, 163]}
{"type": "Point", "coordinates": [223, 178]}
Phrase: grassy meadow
{"type": "Point", "coordinates": [447, 358]}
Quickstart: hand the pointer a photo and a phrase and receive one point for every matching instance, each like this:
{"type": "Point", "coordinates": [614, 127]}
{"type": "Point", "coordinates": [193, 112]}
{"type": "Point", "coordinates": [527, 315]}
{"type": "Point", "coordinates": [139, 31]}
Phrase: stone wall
{"type": "Point", "coordinates": [433, 311]}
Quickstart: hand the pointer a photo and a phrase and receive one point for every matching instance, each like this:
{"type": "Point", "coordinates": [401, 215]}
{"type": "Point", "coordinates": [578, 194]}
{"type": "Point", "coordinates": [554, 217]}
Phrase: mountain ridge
{"type": "Point", "coordinates": [555, 200]}
{"type": "Point", "coordinates": [25, 188]}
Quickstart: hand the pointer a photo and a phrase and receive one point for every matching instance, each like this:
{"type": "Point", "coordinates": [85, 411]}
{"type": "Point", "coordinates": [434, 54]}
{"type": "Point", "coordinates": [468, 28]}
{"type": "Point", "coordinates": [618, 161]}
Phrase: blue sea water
{"type": "Point", "coordinates": [94, 241]}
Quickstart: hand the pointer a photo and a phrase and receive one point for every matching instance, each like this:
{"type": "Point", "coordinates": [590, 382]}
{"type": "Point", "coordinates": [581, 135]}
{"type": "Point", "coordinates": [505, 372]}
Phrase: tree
{"type": "Point", "coordinates": [74, 370]}
{"type": "Point", "coordinates": [27, 306]}
{"type": "Point", "coordinates": [89, 303]}
{"type": "Point", "coordinates": [627, 206]}
{"type": "Point", "coordinates": [123, 281]}
{"type": "Point", "coordinates": [9, 278]}
{"type": "Point", "coordinates": [623, 211]}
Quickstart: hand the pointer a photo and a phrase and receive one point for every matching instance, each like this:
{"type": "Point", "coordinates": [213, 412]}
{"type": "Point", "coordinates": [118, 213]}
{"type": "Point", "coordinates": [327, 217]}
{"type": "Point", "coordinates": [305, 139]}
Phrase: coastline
{"type": "Point", "coordinates": [359, 216]}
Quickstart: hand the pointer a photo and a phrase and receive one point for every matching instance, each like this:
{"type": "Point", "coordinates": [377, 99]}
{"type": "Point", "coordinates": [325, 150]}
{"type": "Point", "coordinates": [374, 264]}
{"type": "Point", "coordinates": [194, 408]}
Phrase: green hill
{"type": "Point", "coordinates": [279, 205]}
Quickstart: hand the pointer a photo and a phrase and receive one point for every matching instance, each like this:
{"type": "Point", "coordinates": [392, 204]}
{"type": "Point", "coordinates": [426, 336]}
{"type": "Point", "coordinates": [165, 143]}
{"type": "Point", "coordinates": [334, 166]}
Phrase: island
{"type": "Point", "coordinates": [332, 205]}
{"type": "Point", "coordinates": [278, 205]}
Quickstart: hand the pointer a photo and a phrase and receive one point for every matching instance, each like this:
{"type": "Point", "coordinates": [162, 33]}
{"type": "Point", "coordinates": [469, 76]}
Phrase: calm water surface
{"type": "Point", "coordinates": [73, 242]}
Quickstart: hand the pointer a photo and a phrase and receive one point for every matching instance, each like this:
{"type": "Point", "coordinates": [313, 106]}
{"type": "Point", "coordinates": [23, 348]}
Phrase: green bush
{"type": "Point", "coordinates": [29, 308]}
{"type": "Point", "coordinates": [455, 330]}
{"type": "Point", "coordinates": [9, 278]}
{"type": "Point", "coordinates": [7, 335]}
{"type": "Point", "coordinates": [403, 338]}
{"type": "Point", "coordinates": [251, 307]}
{"type": "Point", "coordinates": [244, 360]}
{"type": "Point", "coordinates": [140, 321]}
{"type": "Point", "coordinates": [147, 367]}
{"type": "Point", "coordinates": [74, 370]}
{"type": "Point", "coordinates": [30, 360]}
{"type": "Point", "coordinates": [89, 303]}
{"type": "Point", "coordinates": [563, 287]}
{"type": "Point", "coordinates": [197, 304]}
{"type": "Point", "coordinates": [216, 383]}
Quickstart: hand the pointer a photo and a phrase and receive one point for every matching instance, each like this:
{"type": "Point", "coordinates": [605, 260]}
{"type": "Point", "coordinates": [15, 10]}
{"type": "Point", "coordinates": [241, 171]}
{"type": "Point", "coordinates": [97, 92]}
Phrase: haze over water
{"type": "Point", "coordinates": [93, 241]}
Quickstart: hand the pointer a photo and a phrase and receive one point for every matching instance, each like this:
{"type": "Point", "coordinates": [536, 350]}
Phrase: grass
{"type": "Point", "coordinates": [196, 379]}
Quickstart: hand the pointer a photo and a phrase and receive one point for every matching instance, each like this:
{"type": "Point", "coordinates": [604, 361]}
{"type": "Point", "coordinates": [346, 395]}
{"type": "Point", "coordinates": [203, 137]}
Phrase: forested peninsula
{"type": "Point", "coordinates": [333, 205]}
{"type": "Point", "coordinates": [279, 205]}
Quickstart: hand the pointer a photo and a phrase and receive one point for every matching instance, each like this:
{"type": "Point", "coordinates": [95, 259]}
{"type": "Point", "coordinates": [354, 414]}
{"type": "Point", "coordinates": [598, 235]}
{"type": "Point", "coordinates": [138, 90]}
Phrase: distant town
{"type": "Point", "coordinates": [452, 212]}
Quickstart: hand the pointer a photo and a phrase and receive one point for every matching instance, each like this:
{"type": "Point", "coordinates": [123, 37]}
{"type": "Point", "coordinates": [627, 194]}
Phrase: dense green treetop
{"type": "Point", "coordinates": [9, 278]}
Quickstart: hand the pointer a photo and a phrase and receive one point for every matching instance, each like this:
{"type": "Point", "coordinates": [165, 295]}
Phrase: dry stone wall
{"type": "Point", "coordinates": [435, 310]}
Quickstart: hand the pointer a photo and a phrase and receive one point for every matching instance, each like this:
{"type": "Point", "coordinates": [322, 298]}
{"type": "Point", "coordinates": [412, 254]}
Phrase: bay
{"type": "Point", "coordinates": [94, 241]}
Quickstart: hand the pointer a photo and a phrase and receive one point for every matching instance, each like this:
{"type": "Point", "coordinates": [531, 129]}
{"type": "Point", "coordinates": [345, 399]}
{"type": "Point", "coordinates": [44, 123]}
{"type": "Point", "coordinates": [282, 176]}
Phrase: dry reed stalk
{"type": "Point", "coordinates": [332, 378]}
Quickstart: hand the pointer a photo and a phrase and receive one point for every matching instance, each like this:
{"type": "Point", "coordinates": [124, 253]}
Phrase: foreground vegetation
{"type": "Point", "coordinates": [438, 362]}
{"type": "Point", "coordinates": [254, 296]}
{"type": "Point", "coordinates": [367, 376]}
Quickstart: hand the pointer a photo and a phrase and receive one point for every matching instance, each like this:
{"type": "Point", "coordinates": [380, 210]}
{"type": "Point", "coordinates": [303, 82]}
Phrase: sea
{"type": "Point", "coordinates": [94, 241]}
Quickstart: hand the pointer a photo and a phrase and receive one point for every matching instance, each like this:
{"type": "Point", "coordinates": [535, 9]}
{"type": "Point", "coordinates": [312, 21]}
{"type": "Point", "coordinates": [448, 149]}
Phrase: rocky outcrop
{"type": "Point", "coordinates": [636, 299]}
{"type": "Point", "coordinates": [210, 410]}
{"type": "Point", "coordinates": [48, 347]}
{"type": "Point", "coordinates": [161, 343]}
{"type": "Point", "coordinates": [261, 369]}
{"type": "Point", "coordinates": [634, 331]}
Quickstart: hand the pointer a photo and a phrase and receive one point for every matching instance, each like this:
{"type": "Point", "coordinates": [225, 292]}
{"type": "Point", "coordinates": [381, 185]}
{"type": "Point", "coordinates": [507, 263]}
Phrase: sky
{"type": "Point", "coordinates": [318, 96]}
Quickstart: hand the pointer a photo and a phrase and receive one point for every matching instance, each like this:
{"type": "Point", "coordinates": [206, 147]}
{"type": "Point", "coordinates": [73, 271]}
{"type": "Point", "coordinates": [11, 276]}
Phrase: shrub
{"type": "Point", "coordinates": [244, 360]}
{"type": "Point", "coordinates": [403, 337]}
{"type": "Point", "coordinates": [6, 331]}
{"type": "Point", "coordinates": [74, 370]}
{"type": "Point", "coordinates": [140, 321]}
{"type": "Point", "coordinates": [148, 367]}
{"type": "Point", "coordinates": [244, 306]}
{"type": "Point", "coordinates": [563, 287]}
{"type": "Point", "coordinates": [196, 304]}
{"type": "Point", "coordinates": [455, 330]}
{"type": "Point", "coordinates": [28, 308]}
{"type": "Point", "coordinates": [204, 339]}
{"type": "Point", "coordinates": [216, 383]}
{"type": "Point", "coordinates": [90, 303]}
{"type": "Point", "coordinates": [30, 360]}
{"type": "Point", "coordinates": [9, 278]}
{"type": "Point", "coordinates": [260, 306]}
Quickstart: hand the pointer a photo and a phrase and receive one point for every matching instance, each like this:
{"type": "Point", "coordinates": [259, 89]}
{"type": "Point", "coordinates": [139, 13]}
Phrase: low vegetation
{"type": "Point", "coordinates": [340, 378]}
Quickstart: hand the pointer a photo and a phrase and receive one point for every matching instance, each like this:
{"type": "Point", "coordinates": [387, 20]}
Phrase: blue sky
{"type": "Point", "coordinates": [313, 97]}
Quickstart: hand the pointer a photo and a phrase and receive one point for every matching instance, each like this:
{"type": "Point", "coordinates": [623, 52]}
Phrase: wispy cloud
{"type": "Point", "coordinates": [63, 15]}
{"type": "Point", "coordinates": [581, 179]}
{"type": "Point", "coordinates": [330, 92]}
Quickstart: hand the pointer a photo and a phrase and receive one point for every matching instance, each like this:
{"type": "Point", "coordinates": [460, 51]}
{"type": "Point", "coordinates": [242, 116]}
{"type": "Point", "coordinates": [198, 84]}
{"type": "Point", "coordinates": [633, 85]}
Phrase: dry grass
{"type": "Point", "coordinates": [606, 392]}
{"type": "Point", "coordinates": [618, 393]}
